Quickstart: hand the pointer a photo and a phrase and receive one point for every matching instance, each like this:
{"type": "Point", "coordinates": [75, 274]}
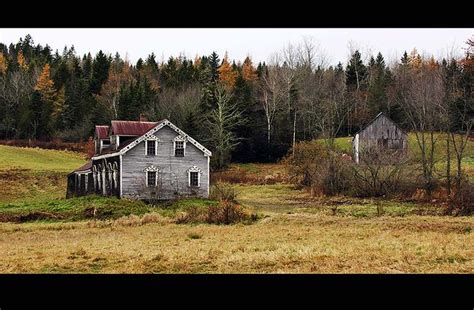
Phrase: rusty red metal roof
{"type": "Point", "coordinates": [84, 167]}
{"type": "Point", "coordinates": [102, 131]}
{"type": "Point", "coordinates": [131, 128]}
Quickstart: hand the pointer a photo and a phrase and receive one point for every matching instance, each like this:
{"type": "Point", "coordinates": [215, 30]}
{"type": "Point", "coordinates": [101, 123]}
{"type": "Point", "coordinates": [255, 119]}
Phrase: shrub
{"type": "Point", "coordinates": [225, 212]}
{"type": "Point", "coordinates": [193, 235]}
{"type": "Point", "coordinates": [315, 165]}
{"type": "Point", "coordinates": [222, 191]}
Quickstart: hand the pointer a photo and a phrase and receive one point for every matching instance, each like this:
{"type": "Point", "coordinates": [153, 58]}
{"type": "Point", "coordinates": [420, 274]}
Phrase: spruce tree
{"type": "Point", "coordinates": [356, 72]}
{"type": "Point", "coordinates": [100, 72]}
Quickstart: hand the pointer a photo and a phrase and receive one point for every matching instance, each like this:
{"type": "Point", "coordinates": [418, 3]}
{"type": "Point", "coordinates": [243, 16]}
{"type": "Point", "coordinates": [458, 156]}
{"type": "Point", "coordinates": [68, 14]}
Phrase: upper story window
{"type": "Point", "coordinates": [151, 148]}
{"type": "Point", "coordinates": [179, 149]}
{"type": "Point", "coordinates": [151, 144]}
{"type": "Point", "coordinates": [179, 146]}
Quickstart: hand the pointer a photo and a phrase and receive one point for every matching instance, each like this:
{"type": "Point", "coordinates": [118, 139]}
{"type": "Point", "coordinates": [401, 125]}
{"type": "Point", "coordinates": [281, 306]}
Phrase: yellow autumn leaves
{"type": "Point", "coordinates": [45, 86]}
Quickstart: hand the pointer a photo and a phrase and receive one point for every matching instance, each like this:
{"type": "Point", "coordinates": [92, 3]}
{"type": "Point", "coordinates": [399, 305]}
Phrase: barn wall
{"type": "Point", "coordinates": [381, 132]}
{"type": "Point", "coordinates": [382, 128]}
{"type": "Point", "coordinates": [172, 176]}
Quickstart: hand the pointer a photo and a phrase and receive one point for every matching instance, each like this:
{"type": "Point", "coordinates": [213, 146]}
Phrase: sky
{"type": "Point", "coordinates": [259, 43]}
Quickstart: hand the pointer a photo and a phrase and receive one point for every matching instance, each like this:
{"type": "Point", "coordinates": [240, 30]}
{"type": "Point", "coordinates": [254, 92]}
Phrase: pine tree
{"type": "Point", "coordinates": [100, 72]}
{"type": "Point", "coordinates": [214, 66]}
{"type": "Point", "coordinates": [356, 72]}
{"type": "Point", "coordinates": [404, 60]}
{"type": "Point", "coordinates": [377, 98]}
{"type": "Point", "coordinates": [139, 64]}
{"type": "Point", "coordinates": [87, 66]}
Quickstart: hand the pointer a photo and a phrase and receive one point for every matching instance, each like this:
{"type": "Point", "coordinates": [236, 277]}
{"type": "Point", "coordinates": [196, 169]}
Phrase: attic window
{"type": "Point", "coordinates": [151, 144]}
{"type": "Point", "coordinates": [151, 148]}
{"type": "Point", "coordinates": [179, 149]}
{"type": "Point", "coordinates": [179, 146]}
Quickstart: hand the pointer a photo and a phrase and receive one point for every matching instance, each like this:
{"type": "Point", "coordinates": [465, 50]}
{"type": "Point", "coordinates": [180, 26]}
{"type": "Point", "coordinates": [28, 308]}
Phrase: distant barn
{"type": "Point", "coordinates": [381, 134]}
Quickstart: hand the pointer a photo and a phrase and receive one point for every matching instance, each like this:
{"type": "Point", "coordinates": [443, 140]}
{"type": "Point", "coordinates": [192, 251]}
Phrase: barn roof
{"type": "Point", "coordinates": [85, 167]}
{"type": "Point", "coordinates": [374, 119]}
{"type": "Point", "coordinates": [131, 128]}
{"type": "Point", "coordinates": [102, 131]}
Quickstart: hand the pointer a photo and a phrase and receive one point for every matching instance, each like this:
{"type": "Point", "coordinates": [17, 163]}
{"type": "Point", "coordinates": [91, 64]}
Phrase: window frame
{"type": "Point", "coordinates": [155, 140]}
{"type": "Point", "coordinates": [148, 178]}
{"type": "Point", "coordinates": [191, 173]}
{"type": "Point", "coordinates": [154, 169]}
{"type": "Point", "coordinates": [196, 170]}
{"type": "Point", "coordinates": [179, 139]}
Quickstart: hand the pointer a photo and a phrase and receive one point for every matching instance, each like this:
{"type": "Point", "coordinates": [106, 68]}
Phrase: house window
{"type": "Point", "coordinates": [179, 149]}
{"type": "Point", "coordinates": [151, 148]}
{"type": "Point", "coordinates": [151, 178]}
{"type": "Point", "coordinates": [194, 178]}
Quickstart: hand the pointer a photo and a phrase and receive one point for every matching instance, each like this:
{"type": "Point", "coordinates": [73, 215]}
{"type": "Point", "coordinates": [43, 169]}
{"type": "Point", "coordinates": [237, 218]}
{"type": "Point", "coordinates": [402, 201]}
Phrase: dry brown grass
{"type": "Point", "coordinates": [280, 243]}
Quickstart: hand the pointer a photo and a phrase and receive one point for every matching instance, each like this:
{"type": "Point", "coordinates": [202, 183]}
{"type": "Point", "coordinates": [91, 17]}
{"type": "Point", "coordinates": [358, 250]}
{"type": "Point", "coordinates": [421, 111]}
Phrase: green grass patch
{"type": "Point", "coordinates": [73, 209]}
{"type": "Point", "coordinates": [37, 159]}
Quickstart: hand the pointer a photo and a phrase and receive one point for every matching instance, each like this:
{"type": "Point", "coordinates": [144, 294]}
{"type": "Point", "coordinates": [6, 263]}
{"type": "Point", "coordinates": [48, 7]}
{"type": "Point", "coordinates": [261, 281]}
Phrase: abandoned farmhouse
{"type": "Point", "coordinates": [143, 160]}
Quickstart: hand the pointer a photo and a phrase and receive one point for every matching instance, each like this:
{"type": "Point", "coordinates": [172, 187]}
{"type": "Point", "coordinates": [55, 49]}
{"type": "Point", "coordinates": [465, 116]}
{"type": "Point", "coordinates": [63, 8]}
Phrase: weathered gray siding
{"type": "Point", "coordinates": [381, 133]}
{"type": "Point", "coordinates": [172, 175]}
{"type": "Point", "coordinates": [382, 128]}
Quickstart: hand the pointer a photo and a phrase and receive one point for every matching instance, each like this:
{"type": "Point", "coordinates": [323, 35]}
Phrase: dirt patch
{"type": "Point", "coordinates": [29, 217]}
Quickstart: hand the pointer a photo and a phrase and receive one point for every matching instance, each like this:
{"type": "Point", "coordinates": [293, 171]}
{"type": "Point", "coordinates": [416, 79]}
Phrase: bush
{"type": "Point", "coordinates": [222, 191]}
{"type": "Point", "coordinates": [225, 212]}
{"type": "Point", "coordinates": [316, 166]}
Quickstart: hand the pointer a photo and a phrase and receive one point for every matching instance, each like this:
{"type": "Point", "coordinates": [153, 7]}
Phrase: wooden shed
{"type": "Point", "coordinates": [381, 134]}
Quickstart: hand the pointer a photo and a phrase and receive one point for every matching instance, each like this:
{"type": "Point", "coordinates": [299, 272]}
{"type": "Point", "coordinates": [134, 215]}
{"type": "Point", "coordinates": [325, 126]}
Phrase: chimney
{"type": "Point", "coordinates": [142, 118]}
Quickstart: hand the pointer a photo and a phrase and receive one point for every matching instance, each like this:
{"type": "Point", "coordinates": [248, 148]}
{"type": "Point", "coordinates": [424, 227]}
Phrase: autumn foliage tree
{"type": "Point", "coordinates": [52, 102]}
{"type": "Point", "coordinates": [3, 64]}
{"type": "Point", "coordinates": [227, 75]}
{"type": "Point", "coordinates": [249, 73]}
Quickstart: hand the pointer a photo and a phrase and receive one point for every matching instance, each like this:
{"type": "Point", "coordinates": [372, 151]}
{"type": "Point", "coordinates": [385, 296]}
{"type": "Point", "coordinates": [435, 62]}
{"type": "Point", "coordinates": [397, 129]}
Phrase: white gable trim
{"type": "Point", "coordinates": [151, 132]}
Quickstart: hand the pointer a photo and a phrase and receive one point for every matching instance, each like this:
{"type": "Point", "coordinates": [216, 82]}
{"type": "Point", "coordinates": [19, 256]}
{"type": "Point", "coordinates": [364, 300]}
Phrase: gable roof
{"type": "Point", "coordinates": [102, 131]}
{"type": "Point", "coordinates": [131, 128]}
{"type": "Point", "coordinates": [374, 119]}
{"type": "Point", "coordinates": [132, 143]}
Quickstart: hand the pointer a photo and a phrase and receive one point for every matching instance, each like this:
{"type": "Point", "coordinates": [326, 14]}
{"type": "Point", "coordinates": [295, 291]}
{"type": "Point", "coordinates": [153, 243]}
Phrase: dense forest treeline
{"type": "Point", "coordinates": [242, 111]}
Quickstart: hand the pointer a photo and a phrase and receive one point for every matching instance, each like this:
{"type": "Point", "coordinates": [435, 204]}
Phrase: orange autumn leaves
{"type": "Point", "coordinates": [228, 75]}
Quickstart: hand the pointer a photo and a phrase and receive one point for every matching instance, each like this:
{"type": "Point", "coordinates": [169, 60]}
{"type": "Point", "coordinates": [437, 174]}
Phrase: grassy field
{"type": "Point", "coordinates": [295, 233]}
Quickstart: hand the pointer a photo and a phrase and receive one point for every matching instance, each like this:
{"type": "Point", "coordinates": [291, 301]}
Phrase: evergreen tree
{"type": "Point", "coordinates": [214, 66]}
{"type": "Point", "coordinates": [356, 72]}
{"type": "Point", "coordinates": [100, 72]}
{"type": "Point", "coordinates": [139, 64]}
{"type": "Point", "coordinates": [87, 66]}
